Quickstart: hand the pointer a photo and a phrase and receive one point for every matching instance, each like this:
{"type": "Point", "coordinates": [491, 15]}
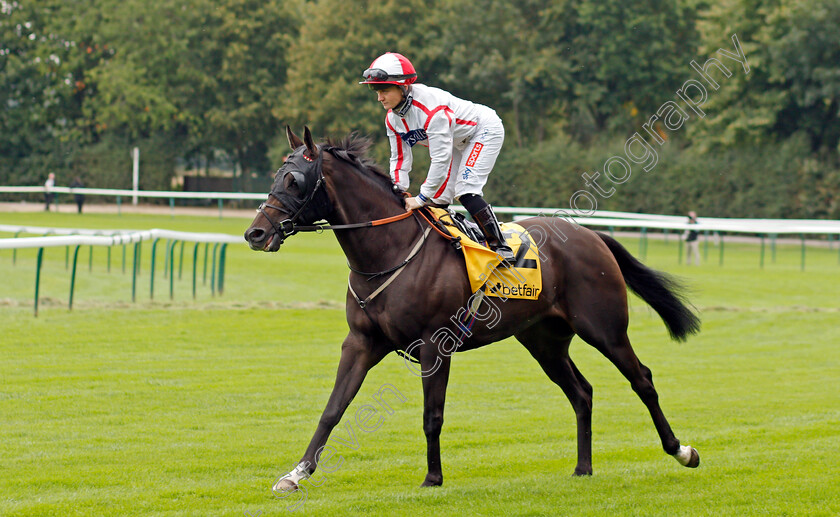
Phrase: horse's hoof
{"type": "Point", "coordinates": [432, 482]}
{"type": "Point", "coordinates": [688, 456]}
{"type": "Point", "coordinates": [582, 472]}
{"type": "Point", "coordinates": [694, 462]}
{"type": "Point", "coordinates": [285, 485]}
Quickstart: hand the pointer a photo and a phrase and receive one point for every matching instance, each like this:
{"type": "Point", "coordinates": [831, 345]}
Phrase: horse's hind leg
{"type": "Point", "coordinates": [551, 349]}
{"type": "Point", "coordinates": [619, 351]}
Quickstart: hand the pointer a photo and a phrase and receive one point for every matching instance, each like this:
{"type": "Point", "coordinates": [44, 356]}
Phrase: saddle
{"type": "Point", "coordinates": [467, 227]}
{"type": "Point", "coordinates": [485, 269]}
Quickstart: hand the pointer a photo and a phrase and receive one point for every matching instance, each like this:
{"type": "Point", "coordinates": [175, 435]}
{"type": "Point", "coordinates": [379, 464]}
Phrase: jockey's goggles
{"type": "Point", "coordinates": [374, 76]}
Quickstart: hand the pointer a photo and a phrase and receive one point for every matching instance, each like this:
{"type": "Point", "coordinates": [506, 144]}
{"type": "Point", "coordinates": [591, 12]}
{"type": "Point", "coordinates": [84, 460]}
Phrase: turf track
{"type": "Point", "coordinates": [188, 407]}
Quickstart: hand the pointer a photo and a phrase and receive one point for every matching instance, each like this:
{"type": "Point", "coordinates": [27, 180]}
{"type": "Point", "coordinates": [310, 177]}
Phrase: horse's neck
{"type": "Point", "coordinates": [379, 247]}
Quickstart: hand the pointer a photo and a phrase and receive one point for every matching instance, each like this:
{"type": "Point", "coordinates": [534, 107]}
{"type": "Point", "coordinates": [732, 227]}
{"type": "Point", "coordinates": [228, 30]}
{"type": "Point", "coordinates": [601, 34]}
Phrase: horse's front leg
{"type": "Point", "coordinates": [435, 378]}
{"type": "Point", "coordinates": [358, 355]}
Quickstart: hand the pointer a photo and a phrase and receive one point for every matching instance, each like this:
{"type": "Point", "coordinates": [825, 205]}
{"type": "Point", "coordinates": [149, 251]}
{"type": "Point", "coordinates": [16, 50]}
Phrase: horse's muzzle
{"type": "Point", "coordinates": [258, 240]}
{"type": "Point", "coordinates": [255, 238]}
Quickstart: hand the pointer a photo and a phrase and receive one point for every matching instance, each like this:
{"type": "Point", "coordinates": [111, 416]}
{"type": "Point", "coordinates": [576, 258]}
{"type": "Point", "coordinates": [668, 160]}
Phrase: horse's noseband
{"type": "Point", "coordinates": [283, 229]}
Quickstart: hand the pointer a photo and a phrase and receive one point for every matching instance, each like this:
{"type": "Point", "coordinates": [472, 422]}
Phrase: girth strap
{"type": "Point", "coordinates": [415, 251]}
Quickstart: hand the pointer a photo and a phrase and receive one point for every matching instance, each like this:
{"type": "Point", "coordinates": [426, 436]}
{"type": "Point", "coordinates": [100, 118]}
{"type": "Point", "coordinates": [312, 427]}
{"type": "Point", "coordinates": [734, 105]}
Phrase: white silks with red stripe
{"type": "Point", "coordinates": [447, 125]}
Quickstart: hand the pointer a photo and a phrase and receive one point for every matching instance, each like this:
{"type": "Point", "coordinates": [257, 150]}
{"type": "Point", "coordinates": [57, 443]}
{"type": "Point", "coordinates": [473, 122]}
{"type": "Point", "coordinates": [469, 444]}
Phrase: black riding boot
{"type": "Point", "coordinates": [486, 219]}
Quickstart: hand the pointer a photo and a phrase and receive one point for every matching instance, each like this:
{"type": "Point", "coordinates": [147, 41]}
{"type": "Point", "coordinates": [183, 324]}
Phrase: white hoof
{"type": "Point", "coordinates": [688, 456]}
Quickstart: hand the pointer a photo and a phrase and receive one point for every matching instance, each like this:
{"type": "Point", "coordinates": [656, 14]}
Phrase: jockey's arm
{"type": "Point", "coordinates": [440, 153]}
{"type": "Point", "coordinates": [401, 158]}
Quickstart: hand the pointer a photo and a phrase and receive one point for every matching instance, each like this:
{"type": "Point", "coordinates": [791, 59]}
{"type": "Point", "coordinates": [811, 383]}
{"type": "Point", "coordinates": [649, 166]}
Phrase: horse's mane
{"type": "Point", "coordinates": [353, 149]}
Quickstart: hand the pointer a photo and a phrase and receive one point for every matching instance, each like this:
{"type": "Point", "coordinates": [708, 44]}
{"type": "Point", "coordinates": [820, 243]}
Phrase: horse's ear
{"type": "Point", "coordinates": [309, 143]}
{"type": "Point", "coordinates": [294, 141]}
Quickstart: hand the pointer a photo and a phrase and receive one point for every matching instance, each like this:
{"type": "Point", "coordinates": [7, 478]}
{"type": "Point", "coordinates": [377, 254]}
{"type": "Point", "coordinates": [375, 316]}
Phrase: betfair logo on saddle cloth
{"type": "Point", "coordinates": [486, 272]}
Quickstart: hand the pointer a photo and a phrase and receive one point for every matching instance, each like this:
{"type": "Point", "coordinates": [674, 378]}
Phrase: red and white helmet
{"type": "Point", "coordinates": [390, 68]}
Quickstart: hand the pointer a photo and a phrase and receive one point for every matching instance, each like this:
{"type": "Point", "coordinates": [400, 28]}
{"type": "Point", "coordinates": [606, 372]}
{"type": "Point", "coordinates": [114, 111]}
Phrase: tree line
{"type": "Point", "coordinates": [211, 83]}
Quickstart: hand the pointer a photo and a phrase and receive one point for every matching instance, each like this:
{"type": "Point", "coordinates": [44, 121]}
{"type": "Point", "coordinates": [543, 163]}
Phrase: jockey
{"type": "Point", "coordinates": [464, 140]}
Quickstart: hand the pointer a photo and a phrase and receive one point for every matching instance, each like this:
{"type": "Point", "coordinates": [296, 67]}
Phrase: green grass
{"type": "Point", "coordinates": [184, 408]}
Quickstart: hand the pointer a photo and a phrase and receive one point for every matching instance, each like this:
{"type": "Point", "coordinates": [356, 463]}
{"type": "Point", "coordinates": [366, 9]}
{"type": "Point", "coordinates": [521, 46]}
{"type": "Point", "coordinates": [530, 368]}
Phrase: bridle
{"type": "Point", "coordinates": [289, 226]}
{"type": "Point", "coordinates": [294, 209]}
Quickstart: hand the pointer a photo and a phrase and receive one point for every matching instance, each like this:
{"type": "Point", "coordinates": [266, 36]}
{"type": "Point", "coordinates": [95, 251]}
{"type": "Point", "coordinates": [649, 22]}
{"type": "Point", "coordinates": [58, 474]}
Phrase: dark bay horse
{"type": "Point", "coordinates": [585, 276]}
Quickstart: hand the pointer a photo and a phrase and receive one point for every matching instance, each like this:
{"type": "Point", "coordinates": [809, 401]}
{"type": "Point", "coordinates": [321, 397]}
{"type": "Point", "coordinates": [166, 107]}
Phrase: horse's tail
{"type": "Point", "coordinates": [661, 291]}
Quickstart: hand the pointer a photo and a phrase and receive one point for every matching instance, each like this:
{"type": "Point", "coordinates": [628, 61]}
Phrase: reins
{"type": "Point", "coordinates": [367, 224]}
{"type": "Point", "coordinates": [436, 224]}
{"type": "Point", "coordinates": [288, 227]}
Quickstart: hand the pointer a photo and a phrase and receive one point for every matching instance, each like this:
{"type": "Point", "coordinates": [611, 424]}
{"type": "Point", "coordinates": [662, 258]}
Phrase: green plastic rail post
{"type": "Point", "coordinates": [206, 247]}
{"type": "Point", "coordinates": [222, 254]}
{"type": "Point", "coordinates": [152, 269]}
{"type": "Point", "coordinates": [134, 271]}
{"type": "Point", "coordinates": [181, 261]}
{"type": "Point", "coordinates": [109, 258]}
{"type": "Point", "coordinates": [73, 276]}
{"type": "Point", "coordinates": [166, 266]}
{"type": "Point", "coordinates": [172, 271]}
{"type": "Point", "coordinates": [213, 271]}
{"type": "Point", "coordinates": [38, 263]}
{"type": "Point", "coordinates": [194, 266]}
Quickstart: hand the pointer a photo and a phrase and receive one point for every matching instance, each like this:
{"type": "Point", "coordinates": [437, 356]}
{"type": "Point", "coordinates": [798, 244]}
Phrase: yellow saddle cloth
{"type": "Point", "coordinates": [523, 279]}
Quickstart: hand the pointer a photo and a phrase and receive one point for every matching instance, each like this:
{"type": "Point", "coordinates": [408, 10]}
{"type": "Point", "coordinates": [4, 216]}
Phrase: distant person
{"type": "Point", "coordinates": [48, 191]}
{"type": "Point", "coordinates": [692, 244]}
{"type": "Point", "coordinates": [80, 198]}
